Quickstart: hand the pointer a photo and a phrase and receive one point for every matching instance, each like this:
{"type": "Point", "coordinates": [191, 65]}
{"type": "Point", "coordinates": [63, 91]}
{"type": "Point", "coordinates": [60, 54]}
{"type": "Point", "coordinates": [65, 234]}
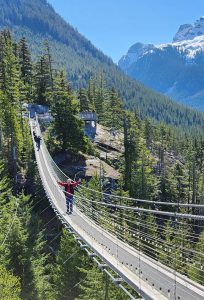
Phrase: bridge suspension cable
{"type": "Point", "coordinates": [11, 223]}
{"type": "Point", "coordinates": [132, 226]}
{"type": "Point", "coordinates": [153, 246]}
{"type": "Point", "coordinates": [62, 176]}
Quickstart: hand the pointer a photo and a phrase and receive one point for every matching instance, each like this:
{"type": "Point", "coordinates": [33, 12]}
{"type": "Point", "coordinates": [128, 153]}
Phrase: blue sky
{"type": "Point", "coordinates": [114, 25]}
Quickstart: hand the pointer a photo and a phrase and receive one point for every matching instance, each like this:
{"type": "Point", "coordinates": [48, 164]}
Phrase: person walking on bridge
{"type": "Point", "coordinates": [69, 193]}
{"type": "Point", "coordinates": [38, 141]}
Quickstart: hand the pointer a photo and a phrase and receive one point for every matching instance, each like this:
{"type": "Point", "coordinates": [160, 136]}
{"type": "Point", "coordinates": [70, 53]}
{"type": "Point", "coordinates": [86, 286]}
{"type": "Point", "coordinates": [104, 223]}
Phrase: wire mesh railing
{"type": "Point", "coordinates": [170, 238]}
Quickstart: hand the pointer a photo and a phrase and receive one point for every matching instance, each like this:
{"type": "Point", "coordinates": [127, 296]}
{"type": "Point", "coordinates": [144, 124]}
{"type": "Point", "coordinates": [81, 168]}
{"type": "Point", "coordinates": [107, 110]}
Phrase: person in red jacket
{"type": "Point", "coordinates": [69, 193]}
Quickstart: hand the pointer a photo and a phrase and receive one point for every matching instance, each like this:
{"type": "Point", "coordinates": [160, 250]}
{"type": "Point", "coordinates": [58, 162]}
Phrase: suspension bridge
{"type": "Point", "coordinates": [130, 251]}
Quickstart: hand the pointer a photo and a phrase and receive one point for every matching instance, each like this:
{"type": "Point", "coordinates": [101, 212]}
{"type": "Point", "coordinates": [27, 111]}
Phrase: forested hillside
{"type": "Point", "coordinates": [34, 251]}
{"type": "Point", "coordinates": [37, 21]}
{"type": "Point", "coordinates": [39, 260]}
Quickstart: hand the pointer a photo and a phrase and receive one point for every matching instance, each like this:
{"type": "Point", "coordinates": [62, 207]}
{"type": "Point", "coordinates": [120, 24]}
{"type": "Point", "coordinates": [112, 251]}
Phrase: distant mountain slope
{"type": "Point", "coordinates": [37, 21]}
{"type": "Point", "coordinates": [175, 69]}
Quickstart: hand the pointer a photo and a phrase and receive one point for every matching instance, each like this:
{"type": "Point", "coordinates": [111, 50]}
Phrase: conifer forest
{"type": "Point", "coordinates": [161, 159]}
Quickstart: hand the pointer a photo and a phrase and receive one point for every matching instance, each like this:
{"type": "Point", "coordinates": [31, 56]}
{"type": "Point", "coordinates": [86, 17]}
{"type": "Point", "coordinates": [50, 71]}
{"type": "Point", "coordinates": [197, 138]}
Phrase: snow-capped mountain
{"type": "Point", "coordinates": [175, 69]}
{"type": "Point", "coordinates": [189, 32]}
{"type": "Point", "coordinates": [134, 53]}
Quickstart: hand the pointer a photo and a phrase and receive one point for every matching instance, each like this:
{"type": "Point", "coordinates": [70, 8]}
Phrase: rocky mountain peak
{"type": "Point", "coordinates": [189, 32]}
{"type": "Point", "coordinates": [134, 53]}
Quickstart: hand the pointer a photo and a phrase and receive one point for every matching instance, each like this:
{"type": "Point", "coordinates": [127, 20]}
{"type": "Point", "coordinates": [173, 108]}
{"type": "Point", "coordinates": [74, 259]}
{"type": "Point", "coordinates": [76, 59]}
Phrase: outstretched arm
{"type": "Point", "coordinates": [62, 183]}
{"type": "Point", "coordinates": [75, 183]}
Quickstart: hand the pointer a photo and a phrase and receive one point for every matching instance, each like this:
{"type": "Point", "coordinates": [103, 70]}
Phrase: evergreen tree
{"type": "Point", "coordinates": [83, 100]}
{"type": "Point", "coordinates": [66, 125]}
{"type": "Point", "coordinates": [139, 179]}
{"type": "Point", "coordinates": [9, 285]}
{"type": "Point", "coordinates": [66, 272]}
{"type": "Point", "coordinates": [42, 80]}
{"type": "Point", "coordinates": [25, 62]}
{"type": "Point", "coordinates": [98, 286]}
{"type": "Point", "coordinates": [113, 111]}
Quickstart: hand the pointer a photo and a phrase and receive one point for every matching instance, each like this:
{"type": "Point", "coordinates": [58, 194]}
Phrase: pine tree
{"type": "Point", "coordinates": [42, 80]}
{"type": "Point", "coordinates": [25, 62]}
{"type": "Point", "coordinates": [131, 140]}
{"type": "Point", "coordinates": [148, 132]}
{"type": "Point", "coordinates": [66, 272]}
{"type": "Point", "coordinates": [10, 103]}
{"type": "Point", "coordinates": [67, 126]}
{"type": "Point", "coordinates": [9, 285]}
{"type": "Point", "coordinates": [139, 179]}
{"type": "Point", "coordinates": [98, 286]}
{"type": "Point", "coordinates": [113, 111]}
{"type": "Point", "coordinates": [83, 100]}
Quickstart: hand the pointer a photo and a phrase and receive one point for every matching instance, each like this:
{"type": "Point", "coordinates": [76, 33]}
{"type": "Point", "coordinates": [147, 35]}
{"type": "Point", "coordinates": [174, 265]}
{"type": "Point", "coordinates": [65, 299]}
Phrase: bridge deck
{"type": "Point", "coordinates": [149, 278]}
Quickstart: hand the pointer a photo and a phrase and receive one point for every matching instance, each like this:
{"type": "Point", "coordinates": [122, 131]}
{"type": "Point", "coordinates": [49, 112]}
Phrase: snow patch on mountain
{"type": "Point", "coordinates": [175, 69]}
{"type": "Point", "coordinates": [182, 33]}
{"type": "Point", "coordinates": [189, 32]}
{"type": "Point", "coordinates": [189, 48]}
{"type": "Point", "coordinates": [189, 41]}
{"type": "Point", "coordinates": [135, 53]}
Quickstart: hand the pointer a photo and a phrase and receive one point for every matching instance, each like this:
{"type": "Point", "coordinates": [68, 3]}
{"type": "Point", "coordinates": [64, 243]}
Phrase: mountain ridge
{"type": "Point", "coordinates": [38, 21]}
{"type": "Point", "coordinates": [173, 69]}
{"type": "Point", "coordinates": [189, 31]}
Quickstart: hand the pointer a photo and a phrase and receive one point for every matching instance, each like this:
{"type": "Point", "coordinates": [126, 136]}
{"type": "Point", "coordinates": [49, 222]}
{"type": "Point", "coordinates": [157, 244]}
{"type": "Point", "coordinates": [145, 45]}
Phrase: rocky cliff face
{"type": "Point", "coordinates": [189, 32]}
{"type": "Point", "coordinates": [174, 69]}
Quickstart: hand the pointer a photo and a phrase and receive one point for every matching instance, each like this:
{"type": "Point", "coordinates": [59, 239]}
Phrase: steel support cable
{"type": "Point", "coordinates": [146, 210]}
{"type": "Point", "coordinates": [148, 226]}
{"type": "Point", "coordinates": [156, 212]}
{"type": "Point", "coordinates": [139, 258]}
{"type": "Point", "coordinates": [145, 201]}
{"type": "Point", "coordinates": [11, 224]}
{"type": "Point", "coordinates": [71, 256]}
{"type": "Point", "coordinates": [44, 225]}
{"type": "Point", "coordinates": [78, 283]}
{"type": "Point", "coordinates": [106, 228]}
{"type": "Point", "coordinates": [43, 199]}
{"type": "Point", "coordinates": [175, 220]}
{"type": "Point", "coordinates": [36, 192]}
{"type": "Point", "coordinates": [128, 198]}
{"type": "Point", "coordinates": [50, 221]}
{"type": "Point", "coordinates": [54, 238]}
{"type": "Point", "coordinates": [157, 240]}
{"type": "Point", "coordinates": [128, 229]}
{"type": "Point", "coordinates": [119, 285]}
{"type": "Point", "coordinates": [145, 235]}
{"type": "Point", "coordinates": [185, 224]}
{"type": "Point", "coordinates": [160, 226]}
{"type": "Point", "coordinates": [118, 233]}
{"type": "Point", "coordinates": [114, 232]}
{"type": "Point", "coordinates": [45, 209]}
{"type": "Point", "coordinates": [146, 248]}
{"type": "Point", "coordinates": [119, 197]}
